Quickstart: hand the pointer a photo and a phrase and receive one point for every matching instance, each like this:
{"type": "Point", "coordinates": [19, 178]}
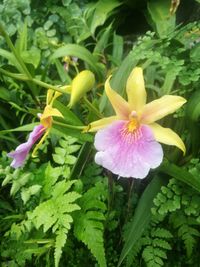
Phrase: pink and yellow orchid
{"type": "Point", "coordinates": [21, 152]}
{"type": "Point", "coordinates": [127, 142]}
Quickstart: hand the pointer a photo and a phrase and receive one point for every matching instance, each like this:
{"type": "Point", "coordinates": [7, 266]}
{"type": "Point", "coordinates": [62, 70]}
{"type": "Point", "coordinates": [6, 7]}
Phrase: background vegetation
{"type": "Point", "coordinates": [61, 209]}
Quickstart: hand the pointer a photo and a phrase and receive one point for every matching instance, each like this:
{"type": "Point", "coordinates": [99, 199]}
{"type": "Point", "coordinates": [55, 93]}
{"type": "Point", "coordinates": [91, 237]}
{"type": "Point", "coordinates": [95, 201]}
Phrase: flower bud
{"type": "Point", "coordinates": [81, 84]}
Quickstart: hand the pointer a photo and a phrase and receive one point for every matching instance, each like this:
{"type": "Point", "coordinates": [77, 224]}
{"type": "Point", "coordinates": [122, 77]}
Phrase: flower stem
{"type": "Point", "coordinates": [92, 107]}
{"type": "Point", "coordinates": [23, 77]}
{"type": "Point", "coordinates": [69, 126]}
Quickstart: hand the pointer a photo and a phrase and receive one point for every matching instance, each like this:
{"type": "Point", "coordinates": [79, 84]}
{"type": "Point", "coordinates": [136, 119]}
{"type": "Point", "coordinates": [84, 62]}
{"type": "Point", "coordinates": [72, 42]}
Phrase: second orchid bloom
{"type": "Point", "coordinates": [128, 142]}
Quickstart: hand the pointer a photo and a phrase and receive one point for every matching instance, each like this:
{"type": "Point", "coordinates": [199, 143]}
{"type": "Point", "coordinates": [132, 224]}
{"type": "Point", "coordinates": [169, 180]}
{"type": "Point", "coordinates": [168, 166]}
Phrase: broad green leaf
{"type": "Point", "coordinates": [142, 216]}
{"type": "Point", "coordinates": [102, 41]}
{"type": "Point", "coordinates": [69, 116]}
{"type": "Point", "coordinates": [83, 156]}
{"type": "Point", "coordinates": [181, 174]}
{"type": "Point", "coordinates": [60, 130]}
{"type": "Point", "coordinates": [192, 118]}
{"type": "Point", "coordinates": [102, 9]}
{"type": "Point", "coordinates": [80, 52]}
{"type": "Point", "coordinates": [65, 78]}
{"type": "Point", "coordinates": [117, 52]}
{"type": "Point", "coordinates": [193, 107]}
{"type": "Point", "coordinates": [163, 21]}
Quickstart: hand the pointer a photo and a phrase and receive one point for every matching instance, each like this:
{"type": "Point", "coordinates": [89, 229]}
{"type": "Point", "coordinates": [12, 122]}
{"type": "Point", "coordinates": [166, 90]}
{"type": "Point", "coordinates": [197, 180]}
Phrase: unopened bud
{"type": "Point", "coordinates": [81, 84]}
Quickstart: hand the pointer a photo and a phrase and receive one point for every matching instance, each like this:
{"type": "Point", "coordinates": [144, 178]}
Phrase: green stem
{"type": "Point", "coordinates": [23, 77]}
{"type": "Point", "coordinates": [69, 126]}
{"type": "Point", "coordinates": [90, 106]}
{"type": "Point", "coordinates": [49, 86]}
{"type": "Point", "coordinates": [17, 76]}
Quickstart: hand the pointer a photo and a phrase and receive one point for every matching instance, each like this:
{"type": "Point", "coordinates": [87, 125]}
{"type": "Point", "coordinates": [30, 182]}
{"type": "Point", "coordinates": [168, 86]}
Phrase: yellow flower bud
{"type": "Point", "coordinates": [81, 84]}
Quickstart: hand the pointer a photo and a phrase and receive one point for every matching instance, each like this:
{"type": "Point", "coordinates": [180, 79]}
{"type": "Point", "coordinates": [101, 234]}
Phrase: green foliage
{"type": "Point", "coordinates": [174, 226]}
{"type": "Point", "coordinates": [59, 208]}
{"type": "Point", "coordinates": [57, 214]}
{"type": "Point", "coordinates": [63, 153]}
{"type": "Point", "coordinates": [88, 225]}
{"type": "Point", "coordinates": [141, 217]}
{"type": "Point", "coordinates": [162, 20]}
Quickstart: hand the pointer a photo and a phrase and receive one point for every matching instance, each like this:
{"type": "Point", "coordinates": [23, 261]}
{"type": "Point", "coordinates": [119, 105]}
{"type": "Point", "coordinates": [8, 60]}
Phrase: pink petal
{"type": "Point", "coordinates": [127, 155]}
{"type": "Point", "coordinates": [21, 152]}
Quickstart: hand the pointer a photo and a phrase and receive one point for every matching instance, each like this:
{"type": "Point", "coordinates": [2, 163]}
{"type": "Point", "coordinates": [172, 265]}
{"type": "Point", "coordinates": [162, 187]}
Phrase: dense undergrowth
{"type": "Point", "coordinates": [61, 209]}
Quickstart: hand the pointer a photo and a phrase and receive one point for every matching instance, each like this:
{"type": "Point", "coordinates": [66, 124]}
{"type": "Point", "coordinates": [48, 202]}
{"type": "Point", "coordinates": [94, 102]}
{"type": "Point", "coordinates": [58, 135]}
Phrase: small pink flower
{"type": "Point", "coordinates": [127, 143]}
{"type": "Point", "coordinates": [21, 152]}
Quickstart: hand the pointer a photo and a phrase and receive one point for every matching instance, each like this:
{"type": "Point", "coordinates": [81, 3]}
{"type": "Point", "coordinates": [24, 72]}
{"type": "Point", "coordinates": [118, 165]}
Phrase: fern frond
{"type": "Point", "coordinates": [59, 244]}
{"type": "Point", "coordinates": [88, 222]}
{"type": "Point", "coordinates": [161, 232]}
{"type": "Point", "coordinates": [55, 213]}
{"type": "Point", "coordinates": [153, 257]}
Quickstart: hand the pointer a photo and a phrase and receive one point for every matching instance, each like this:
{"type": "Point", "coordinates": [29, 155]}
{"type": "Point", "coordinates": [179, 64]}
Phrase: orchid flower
{"type": "Point", "coordinates": [128, 142]}
{"type": "Point", "coordinates": [42, 130]}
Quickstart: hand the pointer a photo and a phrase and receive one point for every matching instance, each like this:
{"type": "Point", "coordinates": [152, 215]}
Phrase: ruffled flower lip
{"type": "Point", "coordinates": [125, 153]}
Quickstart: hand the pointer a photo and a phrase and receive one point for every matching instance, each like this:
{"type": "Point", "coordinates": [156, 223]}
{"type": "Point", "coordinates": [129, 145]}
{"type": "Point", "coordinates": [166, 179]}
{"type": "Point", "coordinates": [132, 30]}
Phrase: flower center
{"type": "Point", "coordinates": [132, 125]}
{"type": "Point", "coordinates": [131, 130]}
{"type": "Point", "coordinates": [46, 122]}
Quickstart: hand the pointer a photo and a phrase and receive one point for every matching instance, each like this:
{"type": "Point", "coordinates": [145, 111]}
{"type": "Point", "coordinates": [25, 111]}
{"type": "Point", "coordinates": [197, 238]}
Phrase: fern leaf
{"type": "Point", "coordinates": [59, 244]}
{"type": "Point", "coordinates": [161, 232]}
{"type": "Point", "coordinates": [150, 257]}
{"type": "Point", "coordinates": [55, 213]}
{"type": "Point", "coordinates": [88, 226]}
{"type": "Point", "coordinates": [161, 243]}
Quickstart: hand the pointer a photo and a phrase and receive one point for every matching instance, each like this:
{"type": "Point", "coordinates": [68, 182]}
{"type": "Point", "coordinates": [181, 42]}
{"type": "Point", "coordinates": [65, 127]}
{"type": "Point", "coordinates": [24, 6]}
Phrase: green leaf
{"type": "Point", "coordinates": [60, 130]}
{"type": "Point", "coordinates": [193, 107]}
{"type": "Point", "coordinates": [102, 9]}
{"type": "Point", "coordinates": [117, 52]}
{"type": "Point", "coordinates": [21, 42]}
{"type": "Point", "coordinates": [25, 128]}
{"type": "Point", "coordinates": [102, 41]}
{"type": "Point", "coordinates": [195, 53]}
{"type": "Point", "coordinates": [69, 116]}
{"type": "Point", "coordinates": [163, 21]}
{"type": "Point", "coordinates": [59, 244]}
{"type": "Point", "coordinates": [181, 174]}
{"type": "Point", "coordinates": [88, 226]}
{"type": "Point", "coordinates": [26, 193]}
{"type": "Point", "coordinates": [142, 216]}
{"type": "Point", "coordinates": [31, 56]}
{"type": "Point", "coordinates": [11, 58]}
{"type": "Point", "coordinates": [80, 52]}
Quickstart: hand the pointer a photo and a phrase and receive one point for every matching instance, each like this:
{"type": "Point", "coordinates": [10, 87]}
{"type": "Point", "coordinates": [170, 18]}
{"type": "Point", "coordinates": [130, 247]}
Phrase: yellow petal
{"type": "Point", "coordinates": [120, 106]}
{"type": "Point", "coordinates": [34, 153]}
{"type": "Point", "coordinates": [167, 136]}
{"type": "Point", "coordinates": [135, 89]}
{"type": "Point", "coordinates": [161, 107]}
{"type": "Point", "coordinates": [49, 97]}
{"type": "Point", "coordinates": [46, 117]}
{"type": "Point", "coordinates": [97, 125]}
